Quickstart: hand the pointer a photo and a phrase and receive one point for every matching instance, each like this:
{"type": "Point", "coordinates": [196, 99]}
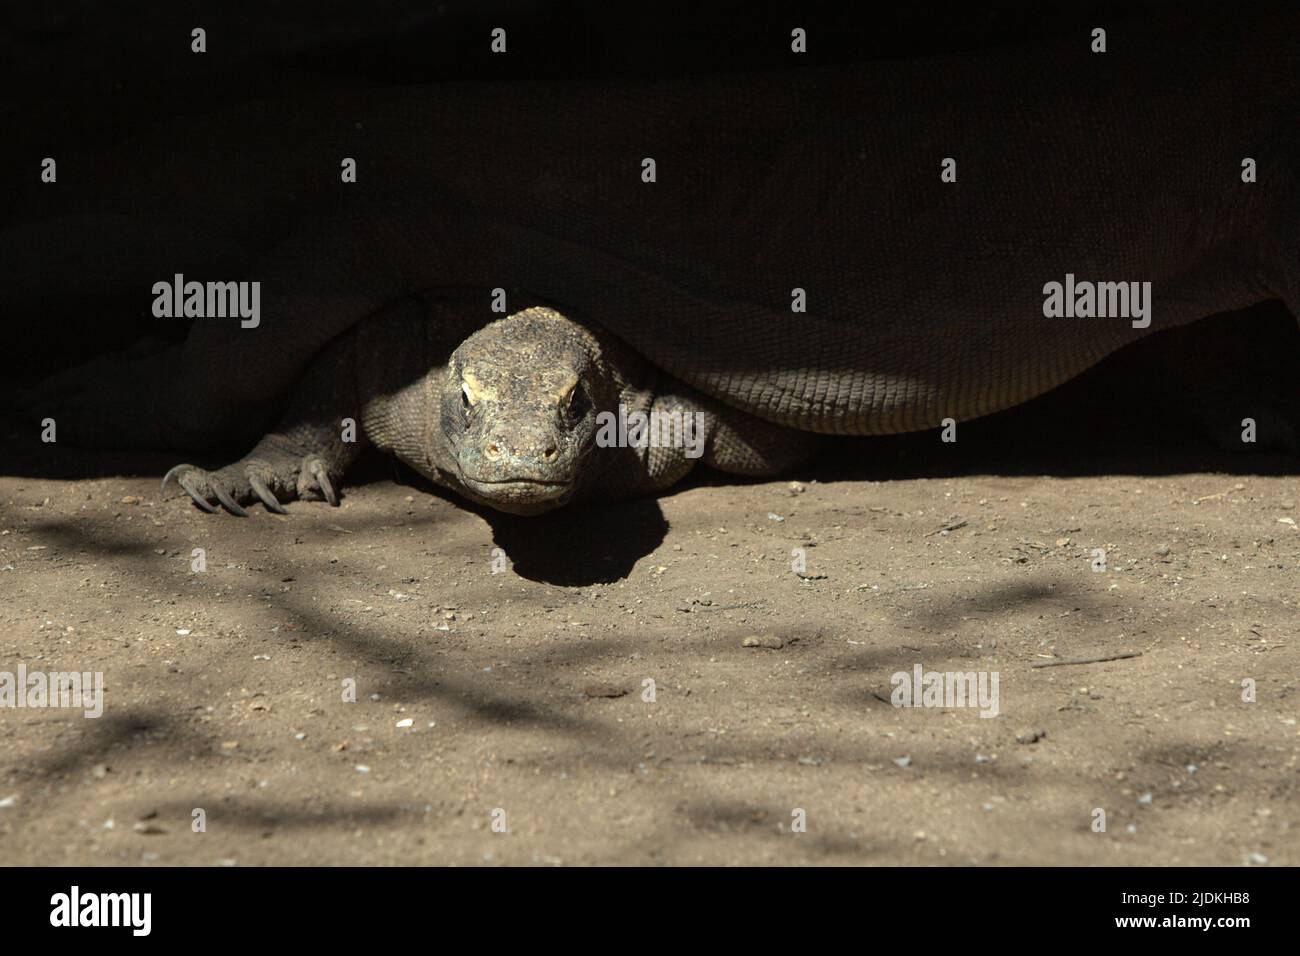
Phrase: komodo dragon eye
{"type": "Point", "coordinates": [576, 402]}
{"type": "Point", "coordinates": [466, 404]}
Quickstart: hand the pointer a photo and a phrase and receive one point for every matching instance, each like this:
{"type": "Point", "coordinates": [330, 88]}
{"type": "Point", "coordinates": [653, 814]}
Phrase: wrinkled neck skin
{"type": "Point", "coordinates": [509, 419]}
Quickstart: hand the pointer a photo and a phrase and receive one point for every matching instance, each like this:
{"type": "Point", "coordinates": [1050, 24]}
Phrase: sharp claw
{"type": "Point", "coordinates": [322, 479]}
{"type": "Point", "coordinates": [263, 492]}
{"type": "Point", "coordinates": [172, 475]}
{"type": "Point", "coordinates": [231, 505]}
{"type": "Point", "coordinates": [198, 499]}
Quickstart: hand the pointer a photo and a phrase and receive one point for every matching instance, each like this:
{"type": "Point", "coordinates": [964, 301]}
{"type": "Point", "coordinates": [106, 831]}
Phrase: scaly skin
{"type": "Point", "coordinates": [508, 418]}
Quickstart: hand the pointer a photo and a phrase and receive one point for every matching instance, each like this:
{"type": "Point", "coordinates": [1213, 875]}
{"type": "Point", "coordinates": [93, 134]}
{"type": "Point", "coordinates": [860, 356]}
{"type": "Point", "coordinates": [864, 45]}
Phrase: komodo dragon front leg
{"type": "Point", "coordinates": [524, 415]}
{"type": "Point", "coordinates": [323, 428]}
{"type": "Point", "coordinates": [307, 453]}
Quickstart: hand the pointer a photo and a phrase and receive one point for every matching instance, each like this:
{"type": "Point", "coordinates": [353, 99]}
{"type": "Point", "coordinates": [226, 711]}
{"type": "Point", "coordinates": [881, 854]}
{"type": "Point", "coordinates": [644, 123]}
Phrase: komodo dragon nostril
{"type": "Point", "coordinates": [550, 452]}
{"type": "Point", "coordinates": [492, 450]}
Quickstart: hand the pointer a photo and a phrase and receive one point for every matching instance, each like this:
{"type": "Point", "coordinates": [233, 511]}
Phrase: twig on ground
{"type": "Point", "coordinates": [1090, 660]}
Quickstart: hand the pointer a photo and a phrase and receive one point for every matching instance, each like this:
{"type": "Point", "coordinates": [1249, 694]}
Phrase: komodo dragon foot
{"type": "Point", "coordinates": [271, 473]}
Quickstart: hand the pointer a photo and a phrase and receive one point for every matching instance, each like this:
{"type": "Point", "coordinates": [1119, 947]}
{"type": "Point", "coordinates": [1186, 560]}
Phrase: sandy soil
{"type": "Point", "coordinates": [520, 696]}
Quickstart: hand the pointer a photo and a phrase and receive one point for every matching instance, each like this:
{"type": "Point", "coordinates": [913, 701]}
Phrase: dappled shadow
{"type": "Point", "coordinates": [226, 811]}
{"type": "Point", "coordinates": [597, 735]}
{"type": "Point", "coordinates": [117, 733]}
{"type": "Point", "coordinates": [426, 679]}
{"type": "Point", "coordinates": [940, 612]}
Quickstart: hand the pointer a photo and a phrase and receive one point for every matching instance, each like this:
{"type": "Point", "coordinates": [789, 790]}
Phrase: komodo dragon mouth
{"type": "Point", "coordinates": [521, 496]}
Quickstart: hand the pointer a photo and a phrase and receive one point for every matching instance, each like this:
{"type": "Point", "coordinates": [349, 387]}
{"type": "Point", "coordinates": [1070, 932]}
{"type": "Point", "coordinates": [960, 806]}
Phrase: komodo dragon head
{"type": "Point", "coordinates": [518, 409]}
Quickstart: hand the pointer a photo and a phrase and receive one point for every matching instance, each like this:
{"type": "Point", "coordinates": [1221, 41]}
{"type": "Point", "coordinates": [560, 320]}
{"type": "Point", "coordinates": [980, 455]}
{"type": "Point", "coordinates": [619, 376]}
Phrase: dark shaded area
{"type": "Point", "coordinates": [601, 543]}
{"type": "Point", "coordinates": [404, 41]}
{"type": "Point", "coordinates": [270, 816]}
{"type": "Point", "coordinates": [112, 74]}
{"type": "Point", "coordinates": [1170, 404]}
{"type": "Point", "coordinates": [116, 735]}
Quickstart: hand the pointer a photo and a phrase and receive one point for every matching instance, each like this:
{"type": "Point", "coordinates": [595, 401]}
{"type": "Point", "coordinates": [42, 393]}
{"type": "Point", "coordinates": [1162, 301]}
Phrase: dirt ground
{"type": "Point", "coordinates": [518, 699]}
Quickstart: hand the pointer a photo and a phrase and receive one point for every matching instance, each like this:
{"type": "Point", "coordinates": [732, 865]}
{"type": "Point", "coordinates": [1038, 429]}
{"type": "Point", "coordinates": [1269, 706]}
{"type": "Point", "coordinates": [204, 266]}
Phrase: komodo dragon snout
{"type": "Point", "coordinates": [519, 407]}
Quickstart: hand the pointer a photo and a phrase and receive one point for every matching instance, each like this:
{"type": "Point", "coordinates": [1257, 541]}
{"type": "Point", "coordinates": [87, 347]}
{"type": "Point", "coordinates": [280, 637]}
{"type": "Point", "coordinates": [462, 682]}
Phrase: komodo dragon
{"type": "Point", "coordinates": [925, 298]}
